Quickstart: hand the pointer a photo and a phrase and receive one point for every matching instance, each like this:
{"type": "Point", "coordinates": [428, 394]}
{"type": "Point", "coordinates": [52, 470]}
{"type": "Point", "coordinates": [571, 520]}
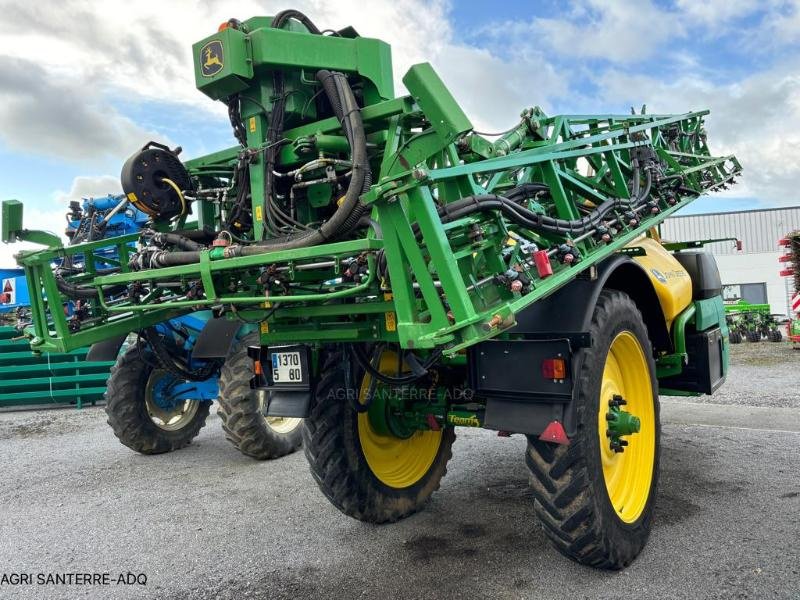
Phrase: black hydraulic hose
{"type": "Point", "coordinates": [527, 218]}
{"type": "Point", "coordinates": [348, 108]}
{"type": "Point", "coordinates": [173, 259]}
{"type": "Point", "coordinates": [76, 292]}
{"type": "Point", "coordinates": [83, 292]}
{"type": "Point", "coordinates": [206, 235]}
{"type": "Point", "coordinates": [525, 191]}
{"type": "Point", "coordinates": [365, 364]}
{"type": "Point", "coordinates": [172, 363]}
{"type": "Point", "coordinates": [282, 17]}
{"type": "Point", "coordinates": [174, 239]}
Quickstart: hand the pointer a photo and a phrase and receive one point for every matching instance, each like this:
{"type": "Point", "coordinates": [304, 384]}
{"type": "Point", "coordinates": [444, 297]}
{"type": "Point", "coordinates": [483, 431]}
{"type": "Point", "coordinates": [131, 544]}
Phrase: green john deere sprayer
{"type": "Point", "coordinates": [401, 275]}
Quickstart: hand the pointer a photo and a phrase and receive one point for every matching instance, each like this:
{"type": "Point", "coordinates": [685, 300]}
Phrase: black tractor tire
{"type": "Point", "coordinates": [243, 419]}
{"type": "Point", "coordinates": [337, 461]}
{"type": "Point", "coordinates": [571, 499]}
{"type": "Point", "coordinates": [127, 409]}
{"type": "Point", "coordinates": [775, 335]}
{"type": "Point", "coordinates": [735, 337]}
{"type": "Point", "coordinates": [753, 336]}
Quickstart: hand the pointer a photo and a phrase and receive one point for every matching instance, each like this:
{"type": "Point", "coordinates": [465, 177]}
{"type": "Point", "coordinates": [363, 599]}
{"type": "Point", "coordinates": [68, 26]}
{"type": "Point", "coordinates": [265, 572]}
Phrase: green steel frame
{"type": "Point", "coordinates": [441, 287]}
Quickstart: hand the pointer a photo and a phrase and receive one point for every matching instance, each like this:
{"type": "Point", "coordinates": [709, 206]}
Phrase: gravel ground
{"type": "Point", "coordinates": [763, 374]}
{"type": "Point", "coordinates": [206, 522]}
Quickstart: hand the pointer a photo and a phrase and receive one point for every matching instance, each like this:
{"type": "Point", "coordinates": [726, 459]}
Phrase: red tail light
{"type": "Point", "coordinates": [554, 368]}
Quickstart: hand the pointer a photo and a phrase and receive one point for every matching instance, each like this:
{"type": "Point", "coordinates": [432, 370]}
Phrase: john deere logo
{"type": "Point", "coordinates": [211, 58]}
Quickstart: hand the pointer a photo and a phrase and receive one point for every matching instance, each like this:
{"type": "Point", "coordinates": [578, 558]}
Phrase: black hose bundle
{"type": "Point", "coordinates": [509, 206]}
{"type": "Point", "coordinates": [276, 221]}
{"type": "Point", "coordinates": [173, 364]}
{"type": "Point", "coordinates": [527, 218]}
{"type": "Point", "coordinates": [419, 369]}
{"type": "Point", "coordinates": [350, 210]}
{"type": "Point", "coordinates": [160, 238]}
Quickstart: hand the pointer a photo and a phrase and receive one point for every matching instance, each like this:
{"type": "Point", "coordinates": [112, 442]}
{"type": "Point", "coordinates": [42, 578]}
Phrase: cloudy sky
{"type": "Point", "coordinates": [84, 83]}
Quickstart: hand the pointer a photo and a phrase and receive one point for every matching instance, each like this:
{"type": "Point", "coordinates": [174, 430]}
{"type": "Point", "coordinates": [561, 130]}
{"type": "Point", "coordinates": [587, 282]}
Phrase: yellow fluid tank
{"type": "Point", "coordinates": [670, 280]}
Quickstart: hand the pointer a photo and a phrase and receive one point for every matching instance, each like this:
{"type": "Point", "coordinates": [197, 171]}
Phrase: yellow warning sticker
{"type": "Point", "coordinates": [391, 321]}
{"type": "Point", "coordinates": [252, 124]}
{"type": "Point", "coordinates": [264, 327]}
{"type": "Point", "coordinates": [390, 317]}
{"type": "Point", "coordinates": [259, 214]}
{"type": "Point", "coordinates": [132, 197]}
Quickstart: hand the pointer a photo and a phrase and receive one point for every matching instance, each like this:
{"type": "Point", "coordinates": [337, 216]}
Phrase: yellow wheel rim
{"type": "Point", "coordinates": [628, 475]}
{"type": "Point", "coordinates": [396, 462]}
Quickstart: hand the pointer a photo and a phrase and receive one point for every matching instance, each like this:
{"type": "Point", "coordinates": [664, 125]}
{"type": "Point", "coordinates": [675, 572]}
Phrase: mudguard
{"type": "Point", "coordinates": [566, 315]}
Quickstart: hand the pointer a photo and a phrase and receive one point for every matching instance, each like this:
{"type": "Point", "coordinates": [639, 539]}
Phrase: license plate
{"type": "Point", "coordinates": [287, 367]}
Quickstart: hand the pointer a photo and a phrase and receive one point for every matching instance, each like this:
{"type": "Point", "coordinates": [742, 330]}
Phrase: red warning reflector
{"type": "Point", "coordinates": [784, 242]}
{"type": "Point", "coordinates": [785, 258]}
{"type": "Point", "coordinates": [432, 422]}
{"type": "Point", "coordinates": [542, 262]}
{"type": "Point", "coordinates": [554, 368]}
{"type": "Point", "coordinates": [787, 272]}
{"type": "Point", "coordinates": [555, 433]}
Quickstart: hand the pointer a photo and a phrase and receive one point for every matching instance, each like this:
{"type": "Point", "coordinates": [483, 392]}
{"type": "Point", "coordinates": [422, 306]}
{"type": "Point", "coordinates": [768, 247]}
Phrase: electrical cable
{"type": "Point", "coordinates": [178, 191]}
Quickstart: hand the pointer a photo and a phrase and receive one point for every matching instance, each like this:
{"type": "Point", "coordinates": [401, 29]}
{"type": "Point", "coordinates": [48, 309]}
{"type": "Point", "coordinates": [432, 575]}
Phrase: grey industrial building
{"type": "Point", "coordinates": [752, 273]}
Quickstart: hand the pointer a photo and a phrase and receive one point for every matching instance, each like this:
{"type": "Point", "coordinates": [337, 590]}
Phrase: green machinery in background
{"type": "Point", "coordinates": [406, 274]}
{"type": "Point", "coordinates": [58, 378]}
{"type": "Point", "coordinates": [751, 322]}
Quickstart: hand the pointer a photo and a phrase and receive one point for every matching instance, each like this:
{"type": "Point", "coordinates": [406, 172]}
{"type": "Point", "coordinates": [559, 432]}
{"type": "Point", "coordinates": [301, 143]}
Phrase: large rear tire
{"type": "Point", "coordinates": [367, 475]}
{"type": "Point", "coordinates": [139, 420]}
{"type": "Point", "coordinates": [596, 504]}
{"type": "Point", "coordinates": [243, 420]}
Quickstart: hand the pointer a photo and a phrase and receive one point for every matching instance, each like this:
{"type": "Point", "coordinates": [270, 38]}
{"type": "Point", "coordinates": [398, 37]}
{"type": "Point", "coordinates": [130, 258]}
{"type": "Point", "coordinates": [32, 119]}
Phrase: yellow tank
{"type": "Point", "coordinates": [670, 280]}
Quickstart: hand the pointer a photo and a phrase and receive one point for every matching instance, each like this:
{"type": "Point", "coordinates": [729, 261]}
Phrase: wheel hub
{"type": "Point", "coordinates": [620, 423]}
{"type": "Point", "coordinates": [168, 409]}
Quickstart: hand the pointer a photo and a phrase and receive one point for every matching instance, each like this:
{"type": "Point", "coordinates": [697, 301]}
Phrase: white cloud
{"type": "Point", "coordinates": [757, 119]}
{"type": "Point", "coordinates": [607, 29]}
{"type": "Point", "coordinates": [88, 186]}
{"type": "Point", "coordinates": [715, 13]}
{"type": "Point", "coordinates": [49, 115]}
{"type": "Point", "coordinates": [781, 26]}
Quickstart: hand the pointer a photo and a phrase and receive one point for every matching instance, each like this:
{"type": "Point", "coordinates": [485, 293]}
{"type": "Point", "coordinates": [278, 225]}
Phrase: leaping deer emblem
{"type": "Point", "coordinates": [211, 59]}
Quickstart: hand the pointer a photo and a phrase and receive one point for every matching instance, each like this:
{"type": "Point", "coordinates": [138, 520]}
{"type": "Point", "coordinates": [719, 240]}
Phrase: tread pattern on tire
{"type": "Point", "coordinates": [127, 413]}
{"type": "Point", "coordinates": [570, 498]}
{"type": "Point", "coordinates": [242, 420]}
{"type": "Point", "coordinates": [332, 449]}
